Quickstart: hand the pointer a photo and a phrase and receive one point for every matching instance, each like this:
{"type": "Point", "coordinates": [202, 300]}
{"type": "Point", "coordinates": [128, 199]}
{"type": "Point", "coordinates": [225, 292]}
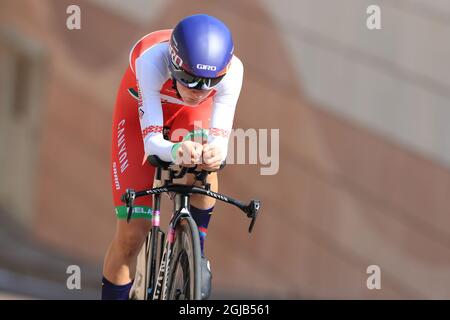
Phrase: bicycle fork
{"type": "Point", "coordinates": [164, 268]}
{"type": "Point", "coordinates": [159, 281]}
{"type": "Point", "coordinates": [181, 205]}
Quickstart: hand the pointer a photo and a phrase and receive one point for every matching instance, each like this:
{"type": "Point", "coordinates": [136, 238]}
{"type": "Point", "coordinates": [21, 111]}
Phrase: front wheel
{"type": "Point", "coordinates": [185, 268]}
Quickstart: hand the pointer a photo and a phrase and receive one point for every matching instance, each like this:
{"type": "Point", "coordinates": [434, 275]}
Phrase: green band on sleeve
{"type": "Point", "coordinates": [191, 136]}
{"type": "Point", "coordinates": [175, 148]}
{"type": "Point", "coordinates": [196, 133]}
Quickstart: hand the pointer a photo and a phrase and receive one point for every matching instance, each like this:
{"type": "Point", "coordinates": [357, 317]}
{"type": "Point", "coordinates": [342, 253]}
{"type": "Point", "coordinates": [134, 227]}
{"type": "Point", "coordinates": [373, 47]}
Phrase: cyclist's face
{"type": "Point", "coordinates": [192, 96]}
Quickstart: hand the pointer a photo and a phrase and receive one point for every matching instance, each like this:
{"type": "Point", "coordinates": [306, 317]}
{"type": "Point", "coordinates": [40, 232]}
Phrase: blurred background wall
{"type": "Point", "coordinates": [364, 151]}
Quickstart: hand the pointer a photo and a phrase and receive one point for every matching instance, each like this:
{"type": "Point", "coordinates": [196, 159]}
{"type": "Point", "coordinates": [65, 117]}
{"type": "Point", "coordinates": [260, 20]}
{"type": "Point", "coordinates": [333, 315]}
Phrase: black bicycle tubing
{"type": "Point", "coordinates": [197, 253]}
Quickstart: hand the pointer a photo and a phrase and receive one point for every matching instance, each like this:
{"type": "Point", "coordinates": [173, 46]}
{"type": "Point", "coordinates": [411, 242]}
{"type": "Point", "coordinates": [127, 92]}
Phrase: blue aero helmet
{"type": "Point", "coordinates": [201, 48]}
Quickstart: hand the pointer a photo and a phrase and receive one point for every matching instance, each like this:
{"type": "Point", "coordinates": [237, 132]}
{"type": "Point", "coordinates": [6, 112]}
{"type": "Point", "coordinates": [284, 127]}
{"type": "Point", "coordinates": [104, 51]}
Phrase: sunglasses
{"type": "Point", "coordinates": [193, 82]}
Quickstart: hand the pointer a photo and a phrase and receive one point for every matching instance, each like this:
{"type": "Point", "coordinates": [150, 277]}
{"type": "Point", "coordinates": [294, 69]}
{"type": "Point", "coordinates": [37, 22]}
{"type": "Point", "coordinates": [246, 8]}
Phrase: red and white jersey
{"type": "Point", "coordinates": [149, 61]}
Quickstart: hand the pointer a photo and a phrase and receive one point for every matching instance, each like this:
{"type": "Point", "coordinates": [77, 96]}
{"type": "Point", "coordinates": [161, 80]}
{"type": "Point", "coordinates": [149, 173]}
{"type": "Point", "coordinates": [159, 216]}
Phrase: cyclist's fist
{"type": "Point", "coordinates": [212, 157]}
{"type": "Point", "coordinates": [189, 153]}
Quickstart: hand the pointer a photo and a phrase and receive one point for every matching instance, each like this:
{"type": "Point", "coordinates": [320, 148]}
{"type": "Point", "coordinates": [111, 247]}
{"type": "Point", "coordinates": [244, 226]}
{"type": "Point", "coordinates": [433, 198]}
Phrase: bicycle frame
{"type": "Point", "coordinates": [157, 287]}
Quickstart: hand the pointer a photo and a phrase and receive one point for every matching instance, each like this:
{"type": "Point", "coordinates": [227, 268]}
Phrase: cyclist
{"type": "Point", "coordinates": [181, 79]}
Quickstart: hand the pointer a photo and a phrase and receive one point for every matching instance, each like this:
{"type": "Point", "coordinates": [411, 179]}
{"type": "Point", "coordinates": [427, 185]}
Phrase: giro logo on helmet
{"type": "Point", "coordinates": [206, 67]}
{"type": "Point", "coordinates": [173, 54]}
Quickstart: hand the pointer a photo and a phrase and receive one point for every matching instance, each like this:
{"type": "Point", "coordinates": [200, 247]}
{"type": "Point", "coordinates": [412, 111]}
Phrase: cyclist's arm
{"type": "Point", "coordinates": [150, 78]}
{"type": "Point", "coordinates": [224, 107]}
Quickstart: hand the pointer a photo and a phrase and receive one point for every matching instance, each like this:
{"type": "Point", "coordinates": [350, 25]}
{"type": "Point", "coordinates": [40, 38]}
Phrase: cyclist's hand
{"type": "Point", "coordinates": [212, 157]}
{"type": "Point", "coordinates": [189, 154]}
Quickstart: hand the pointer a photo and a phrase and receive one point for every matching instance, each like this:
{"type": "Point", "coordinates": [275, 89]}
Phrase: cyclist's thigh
{"type": "Point", "coordinates": [127, 168]}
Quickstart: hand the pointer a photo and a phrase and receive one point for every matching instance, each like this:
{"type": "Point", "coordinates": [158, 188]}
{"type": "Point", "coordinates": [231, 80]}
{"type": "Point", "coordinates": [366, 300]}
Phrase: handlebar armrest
{"type": "Point", "coordinates": [155, 161]}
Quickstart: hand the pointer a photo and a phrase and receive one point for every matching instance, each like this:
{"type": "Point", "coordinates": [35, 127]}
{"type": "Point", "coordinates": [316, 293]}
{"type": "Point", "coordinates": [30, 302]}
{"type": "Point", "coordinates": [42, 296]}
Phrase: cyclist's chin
{"type": "Point", "coordinates": [191, 102]}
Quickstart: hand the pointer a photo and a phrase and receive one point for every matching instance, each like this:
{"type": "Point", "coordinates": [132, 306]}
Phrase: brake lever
{"type": "Point", "coordinates": [252, 212]}
{"type": "Point", "coordinates": [128, 198]}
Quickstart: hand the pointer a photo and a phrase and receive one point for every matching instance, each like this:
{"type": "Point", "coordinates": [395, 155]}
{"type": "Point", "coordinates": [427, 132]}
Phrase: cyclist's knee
{"type": "Point", "coordinates": [130, 237]}
{"type": "Point", "coordinates": [201, 201]}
